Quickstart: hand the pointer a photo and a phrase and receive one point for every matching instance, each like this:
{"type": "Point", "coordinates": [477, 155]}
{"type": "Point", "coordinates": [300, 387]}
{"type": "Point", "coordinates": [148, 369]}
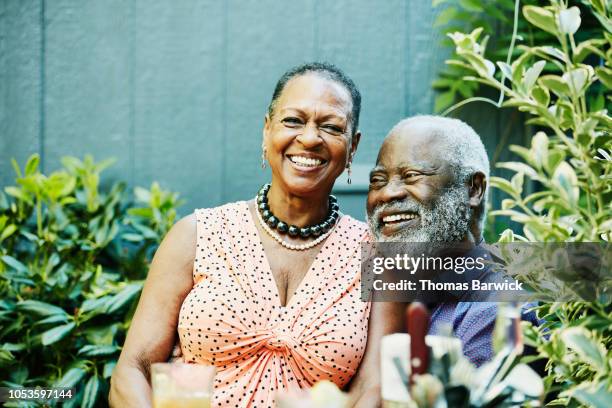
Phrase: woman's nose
{"type": "Point", "coordinates": [310, 136]}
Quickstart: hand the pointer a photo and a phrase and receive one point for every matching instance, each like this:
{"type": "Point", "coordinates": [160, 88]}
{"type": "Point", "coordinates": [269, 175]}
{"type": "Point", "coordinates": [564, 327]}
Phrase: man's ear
{"type": "Point", "coordinates": [477, 188]}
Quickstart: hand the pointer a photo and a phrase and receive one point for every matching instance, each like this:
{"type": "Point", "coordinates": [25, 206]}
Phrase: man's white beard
{"type": "Point", "coordinates": [447, 221]}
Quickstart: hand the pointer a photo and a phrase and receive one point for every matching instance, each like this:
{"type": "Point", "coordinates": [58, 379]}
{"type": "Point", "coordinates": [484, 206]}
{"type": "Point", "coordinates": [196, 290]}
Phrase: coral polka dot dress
{"type": "Point", "coordinates": [233, 319]}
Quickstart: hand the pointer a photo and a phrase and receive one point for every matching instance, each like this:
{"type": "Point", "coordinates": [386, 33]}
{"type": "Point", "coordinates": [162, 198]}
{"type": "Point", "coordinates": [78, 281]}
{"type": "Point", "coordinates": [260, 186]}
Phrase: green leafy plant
{"type": "Point", "coordinates": [506, 36]}
{"type": "Point", "coordinates": [561, 191]}
{"type": "Point", "coordinates": [72, 263]}
{"type": "Point", "coordinates": [503, 30]}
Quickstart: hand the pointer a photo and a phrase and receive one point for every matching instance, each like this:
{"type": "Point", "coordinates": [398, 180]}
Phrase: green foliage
{"type": "Point", "coordinates": [72, 263]}
{"type": "Point", "coordinates": [493, 17]}
{"type": "Point", "coordinates": [569, 166]}
{"type": "Point", "coordinates": [576, 339]}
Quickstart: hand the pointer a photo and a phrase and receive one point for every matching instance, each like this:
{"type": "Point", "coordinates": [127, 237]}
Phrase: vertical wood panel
{"type": "Point", "coordinates": [366, 39]}
{"type": "Point", "coordinates": [425, 56]}
{"type": "Point", "coordinates": [179, 98]}
{"type": "Point", "coordinates": [265, 38]}
{"type": "Point", "coordinates": [20, 83]}
{"type": "Point", "coordinates": [87, 82]}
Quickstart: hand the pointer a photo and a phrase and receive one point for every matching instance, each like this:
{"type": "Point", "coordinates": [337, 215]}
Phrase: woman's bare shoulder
{"type": "Point", "coordinates": [180, 242]}
{"type": "Point", "coordinates": [185, 229]}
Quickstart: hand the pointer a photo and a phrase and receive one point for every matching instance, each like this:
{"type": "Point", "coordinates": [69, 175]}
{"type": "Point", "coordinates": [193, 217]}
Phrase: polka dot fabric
{"type": "Point", "coordinates": [233, 318]}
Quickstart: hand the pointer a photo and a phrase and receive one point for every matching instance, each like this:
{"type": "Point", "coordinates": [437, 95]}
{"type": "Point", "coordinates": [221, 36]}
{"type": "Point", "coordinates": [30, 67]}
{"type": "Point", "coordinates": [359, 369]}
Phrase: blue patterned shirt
{"type": "Point", "coordinates": [473, 322]}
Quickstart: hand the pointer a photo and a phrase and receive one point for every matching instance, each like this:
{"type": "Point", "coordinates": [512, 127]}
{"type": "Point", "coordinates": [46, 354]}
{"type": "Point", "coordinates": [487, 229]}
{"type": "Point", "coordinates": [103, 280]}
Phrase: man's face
{"type": "Point", "coordinates": [413, 195]}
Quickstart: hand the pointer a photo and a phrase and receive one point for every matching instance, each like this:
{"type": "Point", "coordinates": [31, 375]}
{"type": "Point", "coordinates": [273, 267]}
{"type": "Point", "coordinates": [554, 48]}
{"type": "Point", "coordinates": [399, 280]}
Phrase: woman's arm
{"type": "Point", "coordinates": [153, 329]}
{"type": "Point", "coordinates": [385, 318]}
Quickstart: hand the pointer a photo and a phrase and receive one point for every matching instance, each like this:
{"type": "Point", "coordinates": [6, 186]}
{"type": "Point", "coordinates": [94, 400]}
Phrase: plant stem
{"type": "Point", "coordinates": [38, 216]}
{"type": "Point", "coordinates": [503, 140]}
{"type": "Point", "coordinates": [511, 49]}
{"type": "Point", "coordinates": [469, 100]}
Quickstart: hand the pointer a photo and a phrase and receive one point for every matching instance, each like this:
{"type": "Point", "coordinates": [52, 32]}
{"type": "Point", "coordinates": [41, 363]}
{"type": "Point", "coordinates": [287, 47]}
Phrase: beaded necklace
{"type": "Point", "coordinates": [270, 223]}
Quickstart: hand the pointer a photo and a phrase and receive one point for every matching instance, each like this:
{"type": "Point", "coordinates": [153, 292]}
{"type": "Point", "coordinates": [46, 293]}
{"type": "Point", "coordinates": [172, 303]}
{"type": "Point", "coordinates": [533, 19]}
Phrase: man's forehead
{"type": "Point", "coordinates": [406, 148]}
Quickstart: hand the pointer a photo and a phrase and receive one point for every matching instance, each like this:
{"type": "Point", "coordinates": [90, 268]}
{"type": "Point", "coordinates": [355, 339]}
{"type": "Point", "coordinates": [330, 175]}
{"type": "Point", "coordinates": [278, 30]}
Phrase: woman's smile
{"type": "Point", "coordinates": [306, 163]}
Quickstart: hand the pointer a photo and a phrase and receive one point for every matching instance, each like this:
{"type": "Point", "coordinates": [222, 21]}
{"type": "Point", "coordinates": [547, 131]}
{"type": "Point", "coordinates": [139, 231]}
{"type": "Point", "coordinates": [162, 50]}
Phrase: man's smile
{"type": "Point", "coordinates": [391, 222]}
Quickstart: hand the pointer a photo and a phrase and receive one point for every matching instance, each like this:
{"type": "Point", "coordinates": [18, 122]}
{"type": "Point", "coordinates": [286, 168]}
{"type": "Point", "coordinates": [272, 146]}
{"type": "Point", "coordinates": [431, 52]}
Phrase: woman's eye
{"type": "Point", "coordinates": [292, 122]}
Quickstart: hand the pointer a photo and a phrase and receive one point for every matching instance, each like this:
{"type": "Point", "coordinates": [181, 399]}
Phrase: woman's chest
{"type": "Point", "coordinates": [288, 273]}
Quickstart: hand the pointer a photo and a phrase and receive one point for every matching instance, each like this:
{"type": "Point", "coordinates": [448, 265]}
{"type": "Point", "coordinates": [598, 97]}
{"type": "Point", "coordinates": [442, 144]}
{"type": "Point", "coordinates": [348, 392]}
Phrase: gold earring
{"type": "Point", "coordinates": [348, 181]}
{"type": "Point", "coordinates": [263, 157]}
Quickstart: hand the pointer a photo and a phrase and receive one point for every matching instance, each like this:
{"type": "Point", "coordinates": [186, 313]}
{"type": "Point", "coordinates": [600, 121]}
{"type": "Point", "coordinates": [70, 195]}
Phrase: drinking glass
{"type": "Point", "coordinates": [182, 385]}
{"type": "Point", "coordinates": [324, 394]}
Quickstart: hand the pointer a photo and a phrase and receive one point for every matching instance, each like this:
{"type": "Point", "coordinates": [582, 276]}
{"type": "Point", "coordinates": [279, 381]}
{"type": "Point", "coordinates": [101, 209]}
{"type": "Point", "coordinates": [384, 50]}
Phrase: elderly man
{"type": "Point", "coordinates": [430, 185]}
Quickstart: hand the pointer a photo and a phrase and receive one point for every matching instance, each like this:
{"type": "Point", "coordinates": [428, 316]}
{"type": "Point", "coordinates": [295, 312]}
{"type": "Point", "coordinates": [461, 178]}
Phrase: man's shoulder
{"type": "Point", "coordinates": [466, 318]}
{"type": "Point", "coordinates": [473, 317]}
{"type": "Point", "coordinates": [472, 322]}
{"type": "Point", "coordinates": [475, 308]}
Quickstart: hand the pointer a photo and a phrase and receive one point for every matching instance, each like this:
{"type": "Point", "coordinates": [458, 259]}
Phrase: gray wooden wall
{"type": "Point", "coordinates": [177, 90]}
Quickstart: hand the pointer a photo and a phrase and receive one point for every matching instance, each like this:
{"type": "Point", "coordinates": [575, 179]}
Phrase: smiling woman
{"type": "Point", "coordinates": [268, 290]}
{"type": "Point", "coordinates": [310, 131]}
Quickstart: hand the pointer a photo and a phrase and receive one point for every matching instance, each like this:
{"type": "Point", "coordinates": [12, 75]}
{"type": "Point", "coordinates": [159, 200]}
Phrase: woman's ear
{"type": "Point", "coordinates": [266, 128]}
{"type": "Point", "coordinates": [477, 188]}
{"type": "Point", "coordinates": [354, 143]}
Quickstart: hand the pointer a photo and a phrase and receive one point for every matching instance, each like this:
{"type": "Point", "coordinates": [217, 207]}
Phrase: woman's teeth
{"type": "Point", "coordinates": [399, 217]}
{"type": "Point", "coordinates": [305, 161]}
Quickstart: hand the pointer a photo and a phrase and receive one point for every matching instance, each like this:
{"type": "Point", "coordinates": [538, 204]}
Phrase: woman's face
{"type": "Point", "coordinates": [307, 139]}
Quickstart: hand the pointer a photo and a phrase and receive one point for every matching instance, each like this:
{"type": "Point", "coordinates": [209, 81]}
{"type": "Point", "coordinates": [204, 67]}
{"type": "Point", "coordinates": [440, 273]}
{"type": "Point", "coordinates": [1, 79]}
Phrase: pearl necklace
{"type": "Point", "coordinates": [287, 245]}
